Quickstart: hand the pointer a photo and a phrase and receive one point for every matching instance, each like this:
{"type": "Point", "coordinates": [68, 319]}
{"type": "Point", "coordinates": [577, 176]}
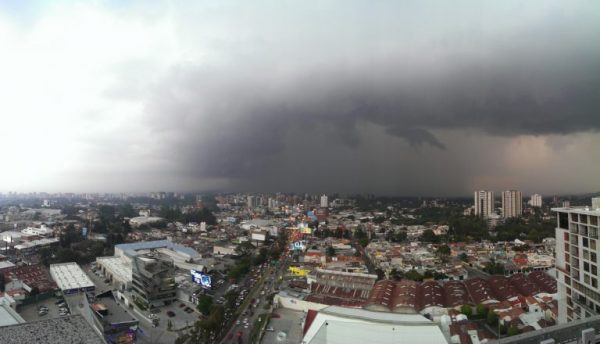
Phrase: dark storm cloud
{"type": "Point", "coordinates": [232, 120]}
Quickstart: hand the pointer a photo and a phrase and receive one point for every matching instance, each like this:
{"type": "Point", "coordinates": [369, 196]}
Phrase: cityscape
{"type": "Point", "coordinates": [279, 172]}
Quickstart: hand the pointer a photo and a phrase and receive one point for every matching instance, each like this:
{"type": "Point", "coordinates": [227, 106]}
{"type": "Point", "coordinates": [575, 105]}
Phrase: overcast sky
{"type": "Point", "coordinates": [387, 97]}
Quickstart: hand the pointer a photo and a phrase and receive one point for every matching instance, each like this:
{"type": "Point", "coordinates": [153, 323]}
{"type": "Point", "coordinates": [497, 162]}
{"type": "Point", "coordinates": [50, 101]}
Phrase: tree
{"type": "Point", "coordinates": [492, 318]}
{"type": "Point", "coordinates": [466, 310]}
{"type": "Point", "coordinates": [463, 257]}
{"type": "Point", "coordinates": [330, 251]}
{"type": "Point", "coordinates": [429, 236]}
{"type": "Point", "coordinates": [444, 250]}
{"type": "Point", "coordinates": [413, 275]}
{"type": "Point", "coordinates": [513, 331]}
{"type": "Point", "coordinates": [482, 311]}
{"type": "Point", "coordinates": [204, 304]}
{"type": "Point", "coordinates": [245, 248]}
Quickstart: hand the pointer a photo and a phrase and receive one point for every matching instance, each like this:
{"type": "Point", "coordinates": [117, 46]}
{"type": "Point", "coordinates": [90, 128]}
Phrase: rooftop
{"type": "Point", "coordinates": [70, 276]}
{"type": "Point", "coordinates": [67, 329]}
{"type": "Point", "coordinates": [130, 249]}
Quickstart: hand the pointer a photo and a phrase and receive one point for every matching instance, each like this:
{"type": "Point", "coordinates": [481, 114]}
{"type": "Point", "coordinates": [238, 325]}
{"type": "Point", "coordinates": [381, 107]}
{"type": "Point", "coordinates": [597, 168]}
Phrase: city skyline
{"type": "Point", "coordinates": [392, 99]}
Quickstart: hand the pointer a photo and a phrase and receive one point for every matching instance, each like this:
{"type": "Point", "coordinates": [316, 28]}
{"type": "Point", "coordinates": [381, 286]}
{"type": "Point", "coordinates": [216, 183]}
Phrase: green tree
{"type": "Point", "coordinates": [413, 275]}
{"type": "Point", "coordinates": [204, 304]}
{"type": "Point", "coordinates": [429, 236]}
{"type": "Point", "coordinates": [245, 248]}
{"type": "Point", "coordinates": [444, 250]}
{"type": "Point", "coordinates": [492, 318]}
{"type": "Point", "coordinates": [482, 311]}
{"type": "Point", "coordinates": [330, 251]}
{"type": "Point", "coordinates": [464, 257]}
{"type": "Point", "coordinates": [466, 310]}
{"type": "Point", "coordinates": [513, 331]}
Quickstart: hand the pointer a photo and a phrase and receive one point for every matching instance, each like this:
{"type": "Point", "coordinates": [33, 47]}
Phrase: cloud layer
{"type": "Point", "coordinates": [387, 98]}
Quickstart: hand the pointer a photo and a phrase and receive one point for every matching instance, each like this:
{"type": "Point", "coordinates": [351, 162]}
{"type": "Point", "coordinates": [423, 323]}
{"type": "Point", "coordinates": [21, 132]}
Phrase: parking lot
{"type": "Point", "coordinates": [31, 312]}
{"type": "Point", "coordinates": [287, 327]}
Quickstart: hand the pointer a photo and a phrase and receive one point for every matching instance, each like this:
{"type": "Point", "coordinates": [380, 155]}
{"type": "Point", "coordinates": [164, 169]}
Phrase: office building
{"type": "Point", "coordinates": [536, 200]}
{"type": "Point", "coordinates": [484, 203]}
{"type": "Point", "coordinates": [153, 279]}
{"type": "Point", "coordinates": [324, 201]}
{"type": "Point", "coordinates": [512, 204]}
{"type": "Point", "coordinates": [577, 252]}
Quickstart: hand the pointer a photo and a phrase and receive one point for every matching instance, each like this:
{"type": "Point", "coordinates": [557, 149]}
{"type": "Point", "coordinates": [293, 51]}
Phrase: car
{"type": "Point", "coordinates": [238, 322]}
{"type": "Point", "coordinates": [181, 305]}
{"type": "Point", "coordinates": [245, 325]}
{"type": "Point", "coordinates": [42, 313]}
{"type": "Point", "coordinates": [270, 329]}
{"type": "Point", "coordinates": [170, 314]}
{"type": "Point", "coordinates": [239, 333]}
{"type": "Point", "coordinates": [245, 320]}
{"type": "Point", "coordinates": [59, 302]}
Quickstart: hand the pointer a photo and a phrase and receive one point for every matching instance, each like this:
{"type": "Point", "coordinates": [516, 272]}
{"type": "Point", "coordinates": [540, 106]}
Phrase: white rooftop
{"type": "Point", "coordinates": [70, 276]}
{"type": "Point", "coordinates": [333, 325]}
{"type": "Point", "coordinates": [117, 266]}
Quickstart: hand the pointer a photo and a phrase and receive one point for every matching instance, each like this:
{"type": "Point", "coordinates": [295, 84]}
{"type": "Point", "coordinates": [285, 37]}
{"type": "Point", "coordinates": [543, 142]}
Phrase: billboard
{"type": "Point", "coordinates": [201, 278]}
{"type": "Point", "coordinates": [298, 246]}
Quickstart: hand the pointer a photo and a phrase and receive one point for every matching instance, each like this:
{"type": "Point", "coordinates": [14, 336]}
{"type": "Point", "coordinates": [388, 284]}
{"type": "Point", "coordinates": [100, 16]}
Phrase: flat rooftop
{"type": "Point", "coordinates": [70, 276]}
{"type": "Point", "coordinates": [120, 268]}
{"type": "Point", "coordinates": [68, 329]}
{"type": "Point", "coordinates": [578, 210]}
{"type": "Point", "coordinates": [116, 313]}
{"type": "Point", "coordinates": [130, 249]}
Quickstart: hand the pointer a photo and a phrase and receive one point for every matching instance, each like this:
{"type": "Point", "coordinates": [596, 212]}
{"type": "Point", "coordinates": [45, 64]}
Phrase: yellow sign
{"type": "Point", "coordinates": [298, 271]}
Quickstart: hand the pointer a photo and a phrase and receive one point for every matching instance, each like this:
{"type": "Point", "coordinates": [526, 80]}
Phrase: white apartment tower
{"type": "Point", "coordinates": [577, 253]}
{"type": "Point", "coordinates": [512, 204]}
{"type": "Point", "coordinates": [324, 201]}
{"type": "Point", "coordinates": [536, 200]}
{"type": "Point", "coordinates": [484, 203]}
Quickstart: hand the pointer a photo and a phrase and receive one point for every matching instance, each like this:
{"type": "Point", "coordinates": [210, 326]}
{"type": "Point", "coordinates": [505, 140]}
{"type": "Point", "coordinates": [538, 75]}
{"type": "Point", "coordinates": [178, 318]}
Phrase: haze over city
{"type": "Point", "coordinates": [410, 98]}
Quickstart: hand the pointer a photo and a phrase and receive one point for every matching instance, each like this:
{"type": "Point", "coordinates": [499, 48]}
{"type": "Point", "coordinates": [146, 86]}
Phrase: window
{"type": "Point", "coordinates": [586, 278]}
{"type": "Point", "coordinates": [594, 282]}
{"type": "Point", "coordinates": [586, 254]}
{"type": "Point", "coordinates": [586, 266]}
{"type": "Point", "coordinates": [593, 257]}
{"type": "Point", "coordinates": [592, 244]}
{"type": "Point", "coordinates": [585, 242]}
{"type": "Point", "coordinates": [594, 270]}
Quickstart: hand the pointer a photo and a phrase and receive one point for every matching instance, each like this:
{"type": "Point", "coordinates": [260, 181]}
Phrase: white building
{"type": "Point", "coordinates": [70, 278]}
{"type": "Point", "coordinates": [577, 254]}
{"type": "Point", "coordinates": [43, 230]}
{"type": "Point", "coordinates": [324, 201]}
{"type": "Point", "coordinates": [117, 270]}
{"type": "Point", "coordinates": [484, 203]}
{"type": "Point", "coordinates": [536, 200]}
{"type": "Point", "coordinates": [351, 325]}
{"type": "Point", "coordinates": [512, 204]}
{"type": "Point", "coordinates": [596, 203]}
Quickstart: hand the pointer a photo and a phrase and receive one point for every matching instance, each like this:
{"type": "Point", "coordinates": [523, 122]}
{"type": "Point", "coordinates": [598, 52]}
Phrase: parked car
{"type": "Point", "coordinates": [170, 314]}
{"type": "Point", "coordinates": [270, 329]}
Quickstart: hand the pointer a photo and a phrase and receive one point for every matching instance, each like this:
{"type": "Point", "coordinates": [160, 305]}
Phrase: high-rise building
{"type": "Point", "coordinates": [484, 203]}
{"type": "Point", "coordinates": [512, 204]}
{"type": "Point", "coordinates": [536, 200]}
{"type": "Point", "coordinates": [577, 253]}
{"type": "Point", "coordinates": [250, 202]}
{"type": "Point", "coordinates": [324, 201]}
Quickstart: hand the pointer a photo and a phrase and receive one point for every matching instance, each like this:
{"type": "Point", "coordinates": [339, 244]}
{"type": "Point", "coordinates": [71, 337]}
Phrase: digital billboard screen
{"type": "Point", "coordinates": [201, 278]}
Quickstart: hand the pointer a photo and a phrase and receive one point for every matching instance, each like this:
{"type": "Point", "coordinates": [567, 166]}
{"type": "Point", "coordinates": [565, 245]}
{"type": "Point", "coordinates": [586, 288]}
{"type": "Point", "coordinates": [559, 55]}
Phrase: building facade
{"type": "Point", "coordinates": [536, 200]}
{"type": "Point", "coordinates": [577, 252]}
{"type": "Point", "coordinates": [324, 201]}
{"type": "Point", "coordinates": [484, 203]}
{"type": "Point", "coordinates": [512, 204]}
{"type": "Point", "coordinates": [153, 279]}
